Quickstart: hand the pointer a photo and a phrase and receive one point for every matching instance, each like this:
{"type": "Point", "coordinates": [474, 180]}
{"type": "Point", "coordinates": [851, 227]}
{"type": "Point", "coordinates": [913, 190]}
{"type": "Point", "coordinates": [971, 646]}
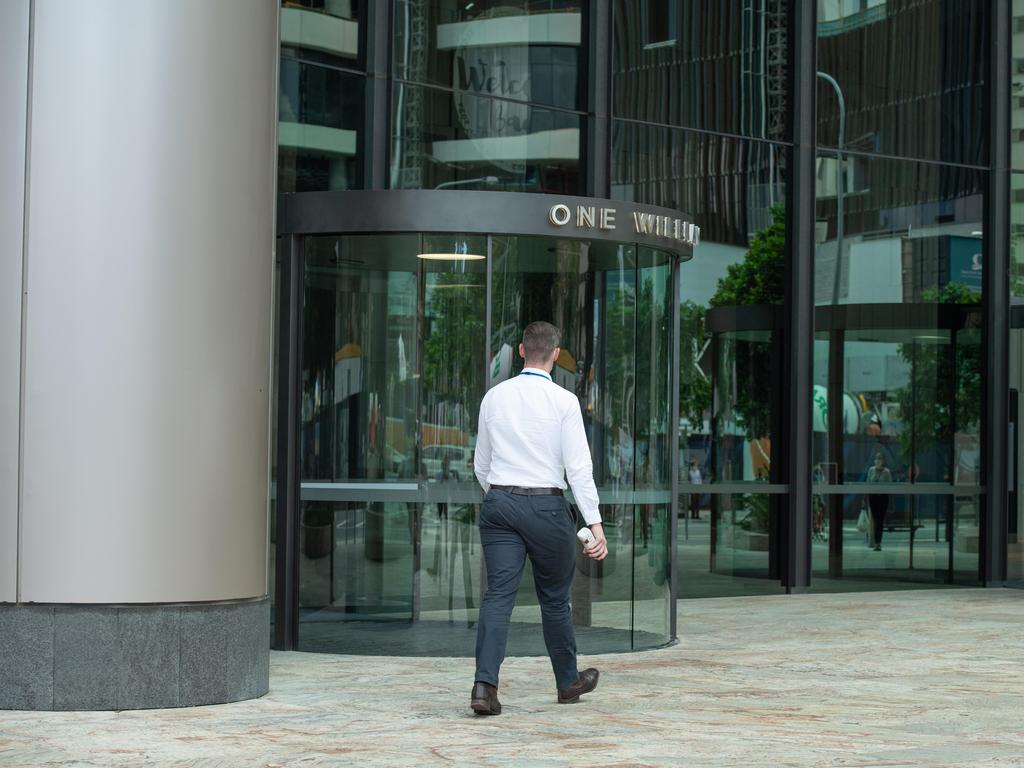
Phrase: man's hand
{"type": "Point", "coordinates": [600, 549]}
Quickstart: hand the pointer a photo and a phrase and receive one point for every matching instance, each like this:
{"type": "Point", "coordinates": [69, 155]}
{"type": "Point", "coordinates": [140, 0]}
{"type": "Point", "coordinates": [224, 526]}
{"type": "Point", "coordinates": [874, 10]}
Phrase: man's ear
{"type": "Point", "coordinates": [522, 351]}
{"type": "Point", "coordinates": [558, 351]}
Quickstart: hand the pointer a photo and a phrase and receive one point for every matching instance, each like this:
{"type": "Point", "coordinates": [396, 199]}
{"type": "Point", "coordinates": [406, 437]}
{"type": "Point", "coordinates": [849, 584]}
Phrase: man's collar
{"type": "Point", "coordinates": [539, 372]}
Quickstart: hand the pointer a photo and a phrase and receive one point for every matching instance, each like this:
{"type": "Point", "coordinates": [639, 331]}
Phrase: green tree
{"type": "Point", "coordinates": [744, 373]}
{"type": "Point", "coordinates": [944, 391]}
{"type": "Point", "coordinates": [694, 384]}
{"type": "Point", "coordinates": [452, 372]}
{"type": "Point", "coordinates": [758, 279]}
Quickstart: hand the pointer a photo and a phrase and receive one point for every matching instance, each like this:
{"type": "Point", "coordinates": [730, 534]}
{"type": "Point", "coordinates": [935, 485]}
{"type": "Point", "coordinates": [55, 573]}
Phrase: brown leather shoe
{"type": "Point", "coordinates": [484, 699]}
{"type": "Point", "coordinates": [585, 684]}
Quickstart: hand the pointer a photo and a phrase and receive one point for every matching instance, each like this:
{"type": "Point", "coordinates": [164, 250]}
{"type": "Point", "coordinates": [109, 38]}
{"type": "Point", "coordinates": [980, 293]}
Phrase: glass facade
{"type": "Point", "coordinates": [688, 106]}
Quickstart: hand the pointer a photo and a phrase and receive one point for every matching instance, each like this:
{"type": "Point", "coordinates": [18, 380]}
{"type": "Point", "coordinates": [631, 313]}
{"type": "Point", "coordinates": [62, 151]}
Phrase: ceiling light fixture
{"type": "Point", "coordinates": [460, 252]}
{"type": "Point", "coordinates": [450, 256]}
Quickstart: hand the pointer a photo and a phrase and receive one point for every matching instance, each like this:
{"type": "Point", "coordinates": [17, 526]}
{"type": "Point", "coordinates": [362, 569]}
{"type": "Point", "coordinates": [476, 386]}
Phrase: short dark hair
{"type": "Point", "coordinates": [540, 340]}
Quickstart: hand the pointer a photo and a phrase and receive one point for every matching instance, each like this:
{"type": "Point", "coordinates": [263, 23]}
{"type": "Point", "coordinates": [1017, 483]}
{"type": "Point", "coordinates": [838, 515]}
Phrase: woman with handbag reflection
{"type": "Point", "coordinates": [878, 502]}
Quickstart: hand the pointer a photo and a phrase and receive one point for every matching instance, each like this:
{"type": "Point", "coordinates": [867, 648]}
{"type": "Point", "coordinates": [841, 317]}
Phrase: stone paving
{"type": "Point", "coordinates": [931, 678]}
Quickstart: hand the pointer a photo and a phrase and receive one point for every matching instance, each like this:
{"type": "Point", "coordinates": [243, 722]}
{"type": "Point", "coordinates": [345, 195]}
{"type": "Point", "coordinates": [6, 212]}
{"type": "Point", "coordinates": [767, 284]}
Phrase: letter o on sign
{"type": "Point", "coordinates": [559, 214]}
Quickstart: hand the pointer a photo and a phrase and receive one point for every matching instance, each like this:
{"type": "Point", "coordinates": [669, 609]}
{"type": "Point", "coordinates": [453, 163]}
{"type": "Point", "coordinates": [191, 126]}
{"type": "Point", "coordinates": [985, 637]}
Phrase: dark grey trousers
{"type": "Point", "coordinates": [512, 528]}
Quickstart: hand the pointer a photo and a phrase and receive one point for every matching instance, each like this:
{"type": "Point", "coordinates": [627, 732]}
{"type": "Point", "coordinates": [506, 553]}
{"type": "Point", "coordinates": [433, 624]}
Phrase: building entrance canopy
{"type": "Point", "coordinates": [410, 305]}
{"type": "Point", "coordinates": [382, 211]}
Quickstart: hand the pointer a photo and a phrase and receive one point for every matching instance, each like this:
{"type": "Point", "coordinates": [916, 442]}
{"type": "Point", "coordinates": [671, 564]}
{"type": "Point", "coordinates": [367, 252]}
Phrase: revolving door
{"type": "Point", "coordinates": [401, 336]}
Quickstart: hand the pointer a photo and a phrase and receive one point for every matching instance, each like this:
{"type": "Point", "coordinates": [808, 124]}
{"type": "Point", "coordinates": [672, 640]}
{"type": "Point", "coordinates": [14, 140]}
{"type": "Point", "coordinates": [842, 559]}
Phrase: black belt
{"type": "Point", "coordinates": [520, 491]}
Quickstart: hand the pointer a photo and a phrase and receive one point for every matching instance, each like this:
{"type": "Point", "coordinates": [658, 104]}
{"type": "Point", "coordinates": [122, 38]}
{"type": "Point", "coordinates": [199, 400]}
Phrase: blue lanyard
{"type": "Point", "coordinates": [531, 373]}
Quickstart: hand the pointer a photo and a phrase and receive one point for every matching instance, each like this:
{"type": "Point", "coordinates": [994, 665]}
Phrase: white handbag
{"type": "Point", "coordinates": [863, 521]}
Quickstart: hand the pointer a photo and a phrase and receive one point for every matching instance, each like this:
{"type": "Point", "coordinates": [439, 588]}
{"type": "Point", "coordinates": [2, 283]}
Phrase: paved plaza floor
{"type": "Point", "coordinates": [929, 678]}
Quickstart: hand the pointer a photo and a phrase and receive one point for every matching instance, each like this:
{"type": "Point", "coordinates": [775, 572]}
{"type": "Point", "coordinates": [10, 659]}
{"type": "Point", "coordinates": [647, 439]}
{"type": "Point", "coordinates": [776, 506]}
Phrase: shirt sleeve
{"type": "Point", "coordinates": [482, 454]}
{"type": "Point", "coordinates": [579, 469]}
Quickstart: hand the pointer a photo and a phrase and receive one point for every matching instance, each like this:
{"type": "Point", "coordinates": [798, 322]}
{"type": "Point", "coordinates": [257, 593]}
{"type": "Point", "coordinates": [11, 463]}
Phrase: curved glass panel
{"type": "Point", "coordinates": [716, 65]}
{"type": "Point", "coordinates": [320, 124]}
{"type": "Point", "coordinates": [512, 49]}
{"type": "Point", "coordinates": [323, 30]}
{"type": "Point", "coordinates": [394, 368]}
{"type": "Point", "coordinates": [321, 100]}
{"type": "Point", "coordinates": [442, 139]}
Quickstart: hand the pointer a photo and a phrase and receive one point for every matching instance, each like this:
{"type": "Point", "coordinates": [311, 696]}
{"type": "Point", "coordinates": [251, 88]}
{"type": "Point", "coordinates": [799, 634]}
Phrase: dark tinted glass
{"type": "Point", "coordinates": [729, 186]}
{"type": "Point", "coordinates": [319, 130]}
{"type": "Point", "coordinates": [911, 76]}
{"type": "Point", "coordinates": [515, 49]}
{"type": "Point", "coordinates": [717, 65]}
{"type": "Point", "coordinates": [900, 231]}
{"type": "Point", "coordinates": [1017, 88]}
{"type": "Point", "coordinates": [1017, 237]}
{"type": "Point", "coordinates": [324, 30]}
{"type": "Point", "coordinates": [443, 140]}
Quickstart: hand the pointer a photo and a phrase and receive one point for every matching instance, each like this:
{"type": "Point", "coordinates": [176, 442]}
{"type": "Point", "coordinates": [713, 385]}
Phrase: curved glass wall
{"type": "Point", "coordinates": [398, 350]}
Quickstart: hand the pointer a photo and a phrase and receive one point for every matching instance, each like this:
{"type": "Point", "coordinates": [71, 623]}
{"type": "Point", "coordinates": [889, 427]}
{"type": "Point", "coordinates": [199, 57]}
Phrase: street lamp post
{"type": "Point", "coordinates": [839, 182]}
{"type": "Point", "coordinates": [490, 181]}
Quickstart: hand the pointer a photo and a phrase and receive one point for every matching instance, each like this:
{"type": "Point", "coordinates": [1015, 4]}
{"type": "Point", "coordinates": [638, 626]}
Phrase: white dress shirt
{"type": "Point", "coordinates": [531, 435]}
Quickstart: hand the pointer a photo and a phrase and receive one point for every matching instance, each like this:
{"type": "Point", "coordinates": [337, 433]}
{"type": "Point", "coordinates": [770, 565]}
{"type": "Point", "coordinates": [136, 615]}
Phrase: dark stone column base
{"type": "Point", "coordinates": [65, 657]}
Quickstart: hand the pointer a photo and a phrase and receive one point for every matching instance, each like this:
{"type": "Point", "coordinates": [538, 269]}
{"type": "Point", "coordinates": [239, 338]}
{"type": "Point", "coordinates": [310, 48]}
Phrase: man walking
{"type": "Point", "coordinates": [530, 439]}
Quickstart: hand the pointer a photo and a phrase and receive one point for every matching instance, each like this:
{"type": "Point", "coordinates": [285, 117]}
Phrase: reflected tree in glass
{"type": "Point", "coordinates": [943, 394]}
{"type": "Point", "coordinates": [694, 382]}
{"type": "Point", "coordinates": [757, 280]}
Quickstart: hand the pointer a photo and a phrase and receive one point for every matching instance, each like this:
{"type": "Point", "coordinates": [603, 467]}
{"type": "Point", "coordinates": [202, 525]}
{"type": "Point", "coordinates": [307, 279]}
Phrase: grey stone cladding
{"type": "Point", "coordinates": [68, 657]}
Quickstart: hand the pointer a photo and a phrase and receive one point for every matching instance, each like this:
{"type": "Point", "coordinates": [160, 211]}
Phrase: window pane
{"type": "Point", "coordinates": [323, 30]}
{"type": "Point", "coordinates": [512, 49]}
{"type": "Point", "coordinates": [1017, 88]}
{"type": "Point", "coordinates": [1015, 516]}
{"type": "Point", "coordinates": [897, 357]}
{"type": "Point", "coordinates": [443, 140]}
{"type": "Point", "coordinates": [717, 65]}
{"type": "Point", "coordinates": [1017, 238]}
{"type": "Point", "coordinates": [897, 231]}
{"type": "Point", "coordinates": [319, 129]}
{"type": "Point", "coordinates": [732, 547]}
{"type": "Point", "coordinates": [911, 76]}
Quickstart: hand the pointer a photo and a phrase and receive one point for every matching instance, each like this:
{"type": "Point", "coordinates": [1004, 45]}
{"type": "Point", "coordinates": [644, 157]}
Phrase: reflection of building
{"type": "Point", "coordinates": [348, 371]}
{"type": "Point", "coordinates": [411, 250]}
{"type": "Point", "coordinates": [564, 373]}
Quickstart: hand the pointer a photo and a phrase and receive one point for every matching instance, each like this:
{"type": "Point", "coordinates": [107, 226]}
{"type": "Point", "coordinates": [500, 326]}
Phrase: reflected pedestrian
{"type": "Point", "coordinates": [531, 438]}
{"type": "Point", "coordinates": [878, 502]}
{"type": "Point", "coordinates": [695, 479]}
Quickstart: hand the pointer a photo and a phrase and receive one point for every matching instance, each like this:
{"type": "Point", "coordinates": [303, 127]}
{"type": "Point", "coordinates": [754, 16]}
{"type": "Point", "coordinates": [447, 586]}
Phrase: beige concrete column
{"type": "Point", "coordinates": [14, 38]}
{"type": "Point", "coordinates": [147, 323]}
